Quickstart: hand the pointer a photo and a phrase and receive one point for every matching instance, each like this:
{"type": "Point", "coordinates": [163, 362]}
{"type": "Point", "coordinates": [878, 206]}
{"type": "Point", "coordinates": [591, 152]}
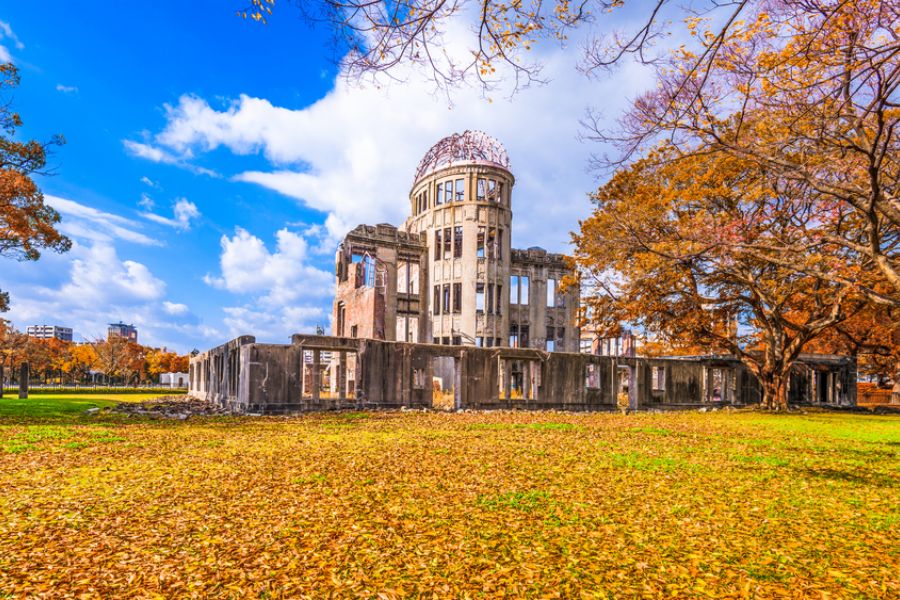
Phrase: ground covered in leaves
{"type": "Point", "coordinates": [446, 505]}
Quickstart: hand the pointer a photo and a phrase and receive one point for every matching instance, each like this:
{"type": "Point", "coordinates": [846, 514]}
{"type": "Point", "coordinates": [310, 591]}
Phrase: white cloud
{"type": "Point", "coordinates": [149, 182]}
{"type": "Point", "coordinates": [277, 326]}
{"type": "Point", "coordinates": [352, 154]}
{"type": "Point", "coordinates": [86, 222]}
{"type": "Point", "coordinates": [160, 155]}
{"type": "Point", "coordinates": [98, 277]}
{"type": "Point", "coordinates": [6, 33]}
{"type": "Point", "coordinates": [286, 291]}
{"type": "Point", "coordinates": [66, 89]}
{"type": "Point", "coordinates": [248, 267]}
{"type": "Point", "coordinates": [174, 308]}
{"type": "Point", "coordinates": [92, 285]}
{"type": "Point", "coordinates": [184, 210]}
{"type": "Point", "coordinates": [146, 202]}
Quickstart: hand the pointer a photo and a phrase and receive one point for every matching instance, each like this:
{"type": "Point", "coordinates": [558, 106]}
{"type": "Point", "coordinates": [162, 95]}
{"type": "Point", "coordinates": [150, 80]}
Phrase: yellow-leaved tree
{"type": "Point", "coordinates": [664, 250]}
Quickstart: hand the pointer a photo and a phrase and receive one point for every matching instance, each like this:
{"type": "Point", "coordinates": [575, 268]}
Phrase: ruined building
{"type": "Point", "coordinates": [317, 372]}
{"type": "Point", "coordinates": [441, 312]}
{"type": "Point", "coordinates": [448, 275]}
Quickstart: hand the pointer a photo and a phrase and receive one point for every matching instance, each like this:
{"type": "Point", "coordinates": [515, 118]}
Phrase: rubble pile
{"type": "Point", "coordinates": [171, 407]}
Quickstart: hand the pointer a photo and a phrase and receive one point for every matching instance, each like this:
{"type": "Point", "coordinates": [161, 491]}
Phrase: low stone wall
{"type": "Point", "coordinates": [317, 373]}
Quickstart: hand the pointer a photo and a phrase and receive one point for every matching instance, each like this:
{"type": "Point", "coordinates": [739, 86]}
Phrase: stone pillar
{"type": "Point", "coordinates": [315, 377]}
{"type": "Point", "coordinates": [23, 381]}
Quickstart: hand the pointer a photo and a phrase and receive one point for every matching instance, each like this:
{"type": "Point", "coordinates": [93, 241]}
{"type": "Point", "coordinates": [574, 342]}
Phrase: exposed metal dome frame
{"type": "Point", "coordinates": [466, 147]}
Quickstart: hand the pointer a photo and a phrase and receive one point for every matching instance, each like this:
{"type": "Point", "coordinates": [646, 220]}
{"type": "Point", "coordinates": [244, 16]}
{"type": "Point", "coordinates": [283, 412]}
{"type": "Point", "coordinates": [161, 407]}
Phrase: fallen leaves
{"type": "Point", "coordinates": [394, 505]}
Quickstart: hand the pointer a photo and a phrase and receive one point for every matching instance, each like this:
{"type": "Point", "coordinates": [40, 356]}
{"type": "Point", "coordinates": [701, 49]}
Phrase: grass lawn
{"type": "Point", "coordinates": [62, 407]}
{"type": "Point", "coordinates": [473, 505]}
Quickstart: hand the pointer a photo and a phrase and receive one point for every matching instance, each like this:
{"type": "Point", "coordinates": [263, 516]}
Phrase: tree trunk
{"type": "Point", "coordinates": [774, 388]}
{"type": "Point", "coordinates": [895, 391]}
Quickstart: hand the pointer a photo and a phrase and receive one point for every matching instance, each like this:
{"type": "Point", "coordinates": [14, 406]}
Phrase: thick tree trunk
{"type": "Point", "coordinates": [774, 388]}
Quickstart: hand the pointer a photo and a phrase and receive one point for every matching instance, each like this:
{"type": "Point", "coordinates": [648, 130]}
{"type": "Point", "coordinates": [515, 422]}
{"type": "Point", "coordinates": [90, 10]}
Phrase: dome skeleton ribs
{"type": "Point", "coordinates": [468, 146]}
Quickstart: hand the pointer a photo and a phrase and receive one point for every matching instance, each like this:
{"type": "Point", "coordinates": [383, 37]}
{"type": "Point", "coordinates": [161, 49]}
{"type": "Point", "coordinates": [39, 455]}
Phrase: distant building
{"type": "Point", "coordinates": [624, 345]}
{"type": "Point", "coordinates": [129, 332]}
{"type": "Point", "coordinates": [47, 332]}
{"type": "Point", "coordinates": [173, 380]}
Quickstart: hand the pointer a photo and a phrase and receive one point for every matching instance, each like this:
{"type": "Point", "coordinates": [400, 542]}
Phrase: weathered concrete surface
{"type": "Point", "coordinates": [316, 373]}
{"type": "Point", "coordinates": [449, 275]}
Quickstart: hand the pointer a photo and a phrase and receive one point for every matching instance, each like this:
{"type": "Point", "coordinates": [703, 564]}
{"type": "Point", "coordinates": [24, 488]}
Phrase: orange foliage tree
{"type": "Point", "coordinates": [665, 249]}
{"type": "Point", "coordinates": [81, 360]}
{"type": "Point", "coordinates": [27, 225]}
{"type": "Point", "coordinates": [807, 91]}
{"type": "Point", "coordinates": [55, 360]}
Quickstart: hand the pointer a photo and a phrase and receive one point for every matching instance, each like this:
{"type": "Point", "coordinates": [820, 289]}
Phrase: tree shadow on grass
{"type": "Point", "coordinates": [856, 477]}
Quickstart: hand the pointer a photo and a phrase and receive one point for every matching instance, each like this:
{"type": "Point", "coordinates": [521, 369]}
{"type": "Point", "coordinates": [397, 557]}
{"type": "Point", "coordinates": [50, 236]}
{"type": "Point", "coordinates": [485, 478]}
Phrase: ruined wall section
{"type": "Point", "coordinates": [217, 374]}
{"type": "Point", "coordinates": [317, 373]}
{"type": "Point", "coordinates": [379, 292]}
{"type": "Point", "coordinates": [542, 315]}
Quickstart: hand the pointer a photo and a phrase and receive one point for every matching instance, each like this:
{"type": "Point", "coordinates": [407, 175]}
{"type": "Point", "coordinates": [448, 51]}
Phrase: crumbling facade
{"type": "Point", "coordinates": [443, 313]}
{"type": "Point", "coordinates": [448, 275]}
{"type": "Point", "coordinates": [315, 373]}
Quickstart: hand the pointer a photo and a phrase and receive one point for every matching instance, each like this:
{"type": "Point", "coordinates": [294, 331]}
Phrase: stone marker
{"type": "Point", "coordinates": [23, 381]}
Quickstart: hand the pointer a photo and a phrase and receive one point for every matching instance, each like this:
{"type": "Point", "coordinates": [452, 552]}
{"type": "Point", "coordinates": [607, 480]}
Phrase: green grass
{"type": "Point", "coordinates": [59, 421]}
{"type": "Point", "coordinates": [830, 425]}
{"type": "Point", "coordinates": [527, 501]}
{"type": "Point", "coordinates": [64, 407]}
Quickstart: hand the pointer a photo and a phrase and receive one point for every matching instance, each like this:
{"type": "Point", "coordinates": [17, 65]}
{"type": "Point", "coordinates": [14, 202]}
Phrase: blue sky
{"type": "Point", "coordinates": [212, 164]}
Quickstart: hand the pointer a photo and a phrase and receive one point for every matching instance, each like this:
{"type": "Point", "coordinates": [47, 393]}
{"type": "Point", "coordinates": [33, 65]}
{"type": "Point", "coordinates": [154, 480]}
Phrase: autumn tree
{"type": "Point", "coordinates": [806, 90]}
{"type": "Point", "coordinates": [12, 343]}
{"type": "Point", "coordinates": [82, 359]}
{"type": "Point", "coordinates": [179, 363]}
{"type": "Point", "coordinates": [134, 363]}
{"type": "Point", "coordinates": [27, 225]}
{"type": "Point", "coordinates": [112, 356]}
{"type": "Point", "coordinates": [664, 250]}
{"type": "Point", "coordinates": [382, 37]}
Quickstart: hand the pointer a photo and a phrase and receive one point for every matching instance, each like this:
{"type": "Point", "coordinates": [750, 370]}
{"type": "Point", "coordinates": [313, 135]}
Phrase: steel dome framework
{"type": "Point", "coordinates": [466, 147]}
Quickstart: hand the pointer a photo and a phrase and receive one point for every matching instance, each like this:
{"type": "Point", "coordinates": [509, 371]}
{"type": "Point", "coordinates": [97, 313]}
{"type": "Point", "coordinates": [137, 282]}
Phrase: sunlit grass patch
{"type": "Point", "coordinates": [53, 437]}
{"type": "Point", "coordinates": [642, 462]}
{"type": "Point", "coordinates": [66, 408]}
{"type": "Point", "coordinates": [653, 431]}
{"type": "Point", "coordinates": [772, 461]}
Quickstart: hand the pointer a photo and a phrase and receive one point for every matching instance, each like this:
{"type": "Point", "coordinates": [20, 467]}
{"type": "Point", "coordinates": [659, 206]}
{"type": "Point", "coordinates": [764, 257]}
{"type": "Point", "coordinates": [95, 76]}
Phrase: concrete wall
{"type": "Point", "coordinates": [328, 373]}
